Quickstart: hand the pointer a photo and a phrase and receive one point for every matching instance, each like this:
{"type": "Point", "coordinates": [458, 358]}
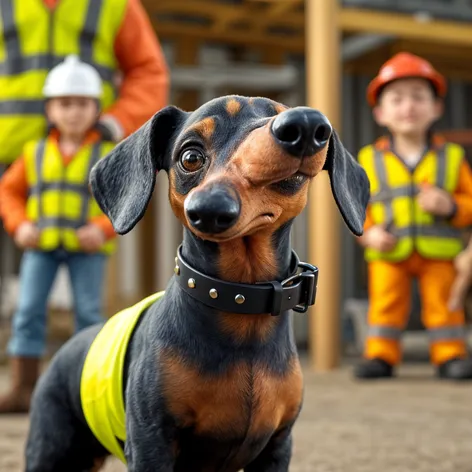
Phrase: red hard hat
{"type": "Point", "coordinates": [404, 65]}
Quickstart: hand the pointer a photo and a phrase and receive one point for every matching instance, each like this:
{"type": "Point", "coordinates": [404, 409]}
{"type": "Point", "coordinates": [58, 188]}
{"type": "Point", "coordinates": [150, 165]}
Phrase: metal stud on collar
{"type": "Point", "coordinates": [239, 299]}
{"type": "Point", "coordinates": [191, 283]}
{"type": "Point", "coordinates": [213, 293]}
{"type": "Point", "coordinates": [177, 270]}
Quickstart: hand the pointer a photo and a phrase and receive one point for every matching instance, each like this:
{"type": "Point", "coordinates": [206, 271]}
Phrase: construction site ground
{"type": "Point", "coordinates": [414, 423]}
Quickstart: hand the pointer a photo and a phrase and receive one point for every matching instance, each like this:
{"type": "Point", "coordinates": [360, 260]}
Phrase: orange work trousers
{"type": "Point", "coordinates": [389, 307]}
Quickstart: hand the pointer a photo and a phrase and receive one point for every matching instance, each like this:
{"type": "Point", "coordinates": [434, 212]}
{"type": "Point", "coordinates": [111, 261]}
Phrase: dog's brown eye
{"type": "Point", "coordinates": [192, 160]}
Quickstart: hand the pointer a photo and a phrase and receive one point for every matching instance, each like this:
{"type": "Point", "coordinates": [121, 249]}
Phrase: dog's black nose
{"type": "Point", "coordinates": [212, 210]}
{"type": "Point", "coordinates": [301, 131]}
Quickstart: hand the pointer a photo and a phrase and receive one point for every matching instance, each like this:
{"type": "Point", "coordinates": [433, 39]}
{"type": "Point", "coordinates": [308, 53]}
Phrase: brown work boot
{"type": "Point", "coordinates": [24, 374]}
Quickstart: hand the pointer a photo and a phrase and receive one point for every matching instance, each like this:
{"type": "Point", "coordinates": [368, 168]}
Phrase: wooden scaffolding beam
{"type": "Point", "coordinates": [281, 23]}
{"type": "Point", "coordinates": [323, 93]}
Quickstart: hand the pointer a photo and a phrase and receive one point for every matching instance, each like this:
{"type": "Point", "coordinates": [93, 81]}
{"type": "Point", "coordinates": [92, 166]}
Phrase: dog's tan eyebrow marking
{"type": "Point", "coordinates": [204, 128]}
{"type": "Point", "coordinates": [233, 106]}
{"type": "Point", "coordinates": [279, 108]}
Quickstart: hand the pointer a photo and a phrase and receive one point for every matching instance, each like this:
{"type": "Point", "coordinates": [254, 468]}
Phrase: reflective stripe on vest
{"type": "Point", "coordinates": [386, 332]}
{"type": "Point", "coordinates": [101, 383]}
{"type": "Point", "coordinates": [33, 39]}
{"type": "Point", "coordinates": [446, 333]}
{"type": "Point", "coordinates": [451, 333]}
{"type": "Point", "coordinates": [393, 202]}
{"type": "Point", "coordinates": [59, 199]}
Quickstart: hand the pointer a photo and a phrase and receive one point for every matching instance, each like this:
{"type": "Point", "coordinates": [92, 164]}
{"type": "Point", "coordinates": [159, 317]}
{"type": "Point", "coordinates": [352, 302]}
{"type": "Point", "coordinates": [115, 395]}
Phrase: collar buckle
{"type": "Point", "coordinates": [309, 280]}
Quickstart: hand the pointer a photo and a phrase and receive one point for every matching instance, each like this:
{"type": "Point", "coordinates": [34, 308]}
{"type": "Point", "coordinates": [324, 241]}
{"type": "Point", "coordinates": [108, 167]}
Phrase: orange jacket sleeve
{"type": "Point", "coordinates": [145, 85]}
{"type": "Point", "coordinates": [13, 196]}
{"type": "Point", "coordinates": [369, 222]}
{"type": "Point", "coordinates": [105, 225]}
{"type": "Point", "coordinates": [463, 197]}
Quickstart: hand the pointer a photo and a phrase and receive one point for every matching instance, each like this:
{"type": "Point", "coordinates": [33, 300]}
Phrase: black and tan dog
{"type": "Point", "coordinates": [211, 379]}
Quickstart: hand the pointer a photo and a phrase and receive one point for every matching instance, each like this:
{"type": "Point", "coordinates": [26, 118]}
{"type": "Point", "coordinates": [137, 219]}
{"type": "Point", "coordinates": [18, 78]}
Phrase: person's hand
{"type": "Point", "coordinates": [378, 238]}
{"type": "Point", "coordinates": [462, 282]}
{"type": "Point", "coordinates": [435, 200]}
{"type": "Point", "coordinates": [91, 238]}
{"type": "Point", "coordinates": [27, 236]}
{"type": "Point", "coordinates": [110, 129]}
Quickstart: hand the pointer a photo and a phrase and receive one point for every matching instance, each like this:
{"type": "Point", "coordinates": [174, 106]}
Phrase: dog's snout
{"type": "Point", "coordinates": [213, 210]}
{"type": "Point", "coordinates": [301, 131]}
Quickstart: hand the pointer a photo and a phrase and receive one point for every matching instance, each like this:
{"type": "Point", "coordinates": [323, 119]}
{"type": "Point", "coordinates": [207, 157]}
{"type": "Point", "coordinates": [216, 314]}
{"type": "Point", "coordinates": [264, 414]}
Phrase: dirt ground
{"type": "Point", "coordinates": [414, 423]}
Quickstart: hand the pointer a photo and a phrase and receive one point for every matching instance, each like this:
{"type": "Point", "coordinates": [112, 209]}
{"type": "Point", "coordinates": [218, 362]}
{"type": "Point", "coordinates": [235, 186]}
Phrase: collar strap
{"type": "Point", "coordinates": [297, 292]}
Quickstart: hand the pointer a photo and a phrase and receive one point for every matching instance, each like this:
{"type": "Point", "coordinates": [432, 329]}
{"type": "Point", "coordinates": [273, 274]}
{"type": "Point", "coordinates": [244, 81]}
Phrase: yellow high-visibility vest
{"type": "Point", "coordinates": [59, 199]}
{"type": "Point", "coordinates": [101, 383]}
{"type": "Point", "coordinates": [393, 202]}
{"type": "Point", "coordinates": [33, 39]}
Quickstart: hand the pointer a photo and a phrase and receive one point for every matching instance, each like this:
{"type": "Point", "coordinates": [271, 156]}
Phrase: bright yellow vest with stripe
{"type": "Point", "coordinates": [33, 39]}
{"type": "Point", "coordinates": [393, 201]}
{"type": "Point", "coordinates": [101, 384]}
{"type": "Point", "coordinates": [59, 200]}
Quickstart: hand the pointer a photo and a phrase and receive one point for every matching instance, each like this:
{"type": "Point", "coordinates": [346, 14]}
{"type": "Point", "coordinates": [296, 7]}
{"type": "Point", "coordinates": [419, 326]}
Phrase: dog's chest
{"type": "Point", "coordinates": [247, 401]}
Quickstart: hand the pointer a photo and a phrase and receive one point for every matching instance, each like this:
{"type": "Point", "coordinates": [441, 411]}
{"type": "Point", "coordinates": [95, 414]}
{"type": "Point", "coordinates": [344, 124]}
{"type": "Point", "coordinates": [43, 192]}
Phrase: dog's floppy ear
{"type": "Point", "coordinates": [123, 181]}
{"type": "Point", "coordinates": [349, 184]}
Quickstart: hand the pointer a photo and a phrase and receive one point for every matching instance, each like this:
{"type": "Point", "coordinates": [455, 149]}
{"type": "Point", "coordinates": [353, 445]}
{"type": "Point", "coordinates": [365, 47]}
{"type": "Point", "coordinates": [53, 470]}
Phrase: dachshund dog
{"type": "Point", "coordinates": [209, 379]}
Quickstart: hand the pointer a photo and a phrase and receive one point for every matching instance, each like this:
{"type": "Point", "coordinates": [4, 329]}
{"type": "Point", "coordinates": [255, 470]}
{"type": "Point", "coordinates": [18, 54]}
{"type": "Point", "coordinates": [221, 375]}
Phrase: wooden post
{"type": "Point", "coordinates": [324, 234]}
{"type": "Point", "coordinates": [186, 54]}
{"type": "Point", "coordinates": [169, 228]}
{"type": "Point", "coordinates": [112, 290]}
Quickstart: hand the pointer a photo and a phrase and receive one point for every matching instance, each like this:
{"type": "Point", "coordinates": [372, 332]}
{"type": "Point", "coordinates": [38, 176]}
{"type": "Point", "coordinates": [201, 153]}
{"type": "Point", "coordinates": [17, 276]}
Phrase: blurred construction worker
{"type": "Point", "coordinates": [111, 35]}
{"type": "Point", "coordinates": [421, 189]}
{"type": "Point", "coordinates": [114, 36]}
{"type": "Point", "coordinates": [48, 209]}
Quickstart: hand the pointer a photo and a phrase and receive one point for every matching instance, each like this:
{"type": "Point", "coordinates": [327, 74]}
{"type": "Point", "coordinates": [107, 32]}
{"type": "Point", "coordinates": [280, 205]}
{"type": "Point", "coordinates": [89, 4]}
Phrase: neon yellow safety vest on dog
{"type": "Point", "coordinates": [101, 386]}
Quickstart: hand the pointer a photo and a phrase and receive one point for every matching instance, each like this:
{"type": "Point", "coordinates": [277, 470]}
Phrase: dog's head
{"type": "Point", "coordinates": [236, 166]}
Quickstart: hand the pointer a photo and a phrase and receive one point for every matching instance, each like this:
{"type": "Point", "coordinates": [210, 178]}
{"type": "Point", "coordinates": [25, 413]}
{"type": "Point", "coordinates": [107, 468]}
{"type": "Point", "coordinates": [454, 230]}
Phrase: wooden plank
{"type": "Point", "coordinates": [459, 53]}
{"type": "Point", "coordinates": [233, 24]}
{"type": "Point", "coordinates": [405, 26]}
{"type": "Point", "coordinates": [147, 250]}
{"type": "Point", "coordinates": [112, 289]}
{"type": "Point", "coordinates": [459, 136]}
{"type": "Point", "coordinates": [175, 31]}
{"type": "Point", "coordinates": [186, 53]}
{"type": "Point", "coordinates": [323, 93]}
{"type": "Point", "coordinates": [260, 23]}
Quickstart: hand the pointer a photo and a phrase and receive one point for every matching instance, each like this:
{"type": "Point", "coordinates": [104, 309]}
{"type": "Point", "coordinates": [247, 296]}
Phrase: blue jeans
{"type": "Point", "coordinates": [37, 273]}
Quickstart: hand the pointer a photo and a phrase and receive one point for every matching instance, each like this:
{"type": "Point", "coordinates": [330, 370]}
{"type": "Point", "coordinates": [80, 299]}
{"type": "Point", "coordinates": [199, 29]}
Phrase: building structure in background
{"type": "Point", "coordinates": [268, 47]}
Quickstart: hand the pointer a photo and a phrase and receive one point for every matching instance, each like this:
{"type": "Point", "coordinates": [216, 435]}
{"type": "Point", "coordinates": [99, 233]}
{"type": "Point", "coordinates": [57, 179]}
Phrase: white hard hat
{"type": "Point", "coordinates": [73, 78]}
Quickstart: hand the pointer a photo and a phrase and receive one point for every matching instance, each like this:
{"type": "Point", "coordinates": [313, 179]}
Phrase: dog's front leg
{"type": "Point", "coordinates": [275, 457]}
{"type": "Point", "coordinates": [149, 441]}
{"type": "Point", "coordinates": [150, 430]}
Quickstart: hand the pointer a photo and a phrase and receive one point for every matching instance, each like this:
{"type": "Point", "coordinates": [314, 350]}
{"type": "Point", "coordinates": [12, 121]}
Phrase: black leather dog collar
{"type": "Point", "coordinates": [297, 292]}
